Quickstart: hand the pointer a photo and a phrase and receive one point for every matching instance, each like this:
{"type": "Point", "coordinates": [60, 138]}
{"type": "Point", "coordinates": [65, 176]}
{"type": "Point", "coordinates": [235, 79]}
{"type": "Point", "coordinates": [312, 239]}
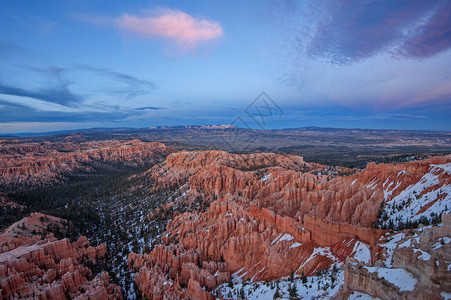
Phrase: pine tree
{"type": "Point", "coordinates": [293, 291]}
{"type": "Point", "coordinates": [304, 278]}
{"type": "Point", "coordinates": [242, 293]}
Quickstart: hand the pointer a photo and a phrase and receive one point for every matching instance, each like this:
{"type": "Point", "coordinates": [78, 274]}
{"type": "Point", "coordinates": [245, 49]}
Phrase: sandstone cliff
{"type": "Point", "coordinates": [37, 267]}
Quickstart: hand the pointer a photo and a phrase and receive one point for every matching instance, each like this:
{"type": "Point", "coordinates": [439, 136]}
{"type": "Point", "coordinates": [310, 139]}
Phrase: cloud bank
{"type": "Point", "coordinates": [179, 27]}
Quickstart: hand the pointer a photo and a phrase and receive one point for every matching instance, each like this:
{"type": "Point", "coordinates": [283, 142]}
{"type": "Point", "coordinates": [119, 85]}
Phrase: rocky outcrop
{"type": "Point", "coordinates": [30, 230]}
{"type": "Point", "coordinates": [263, 216]}
{"type": "Point", "coordinates": [43, 163]}
{"type": "Point", "coordinates": [421, 256]}
{"type": "Point", "coordinates": [36, 267]}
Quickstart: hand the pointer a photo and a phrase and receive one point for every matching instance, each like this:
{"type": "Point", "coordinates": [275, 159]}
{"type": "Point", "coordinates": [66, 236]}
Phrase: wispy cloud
{"type": "Point", "coordinates": [26, 112]}
{"type": "Point", "coordinates": [179, 27]}
{"type": "Point", "coordinates": [345, 31]}
{"type": "Point", "coordinates": [430, 37]}
{"type": "Point", "coordinates": [394, 116]}
{"type": "Point", "coordinates": [59, 94]}
{"type": "Point", "coordinates": [149, 108]}
{"type": "Point", "coordinates": [55, 88]}
{"type": "Point", "coordinates": [134, 86]}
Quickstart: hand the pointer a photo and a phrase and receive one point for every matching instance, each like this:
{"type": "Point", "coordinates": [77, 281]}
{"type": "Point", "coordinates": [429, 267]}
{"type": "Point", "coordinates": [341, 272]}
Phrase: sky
{"type": "Point", "coordinates": [262, 64]}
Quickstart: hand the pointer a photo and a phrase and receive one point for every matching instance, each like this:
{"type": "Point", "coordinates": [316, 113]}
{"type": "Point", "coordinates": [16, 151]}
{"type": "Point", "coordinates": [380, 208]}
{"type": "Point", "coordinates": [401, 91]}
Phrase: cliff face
{"type": "Point", "coordinates": [35, 267]}
{"type": "Point", "coordinates": [415, 266]}
{"type": "Point", "coordinates": [43, 163]}
{"type": "Point", "coordinates": [264, 216]}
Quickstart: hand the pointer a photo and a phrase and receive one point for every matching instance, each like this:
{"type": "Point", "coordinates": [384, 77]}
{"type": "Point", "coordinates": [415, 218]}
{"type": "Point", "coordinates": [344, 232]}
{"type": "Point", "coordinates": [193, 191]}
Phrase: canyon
{"type": "Point", "coordinates": [269, 215]}
{"type": "Point", "coordinates": [209, 224]}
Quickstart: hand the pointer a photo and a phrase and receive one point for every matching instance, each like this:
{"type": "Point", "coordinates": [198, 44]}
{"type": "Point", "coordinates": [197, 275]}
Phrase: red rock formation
{"type": "Point", "coordinates": [42, 163]}
{"type": "Point", "coordinates": [31, 267]}
{"type": "Point", "coordinates": [29, 230]}
{"type": "Point", "coordinates": [268, 215]}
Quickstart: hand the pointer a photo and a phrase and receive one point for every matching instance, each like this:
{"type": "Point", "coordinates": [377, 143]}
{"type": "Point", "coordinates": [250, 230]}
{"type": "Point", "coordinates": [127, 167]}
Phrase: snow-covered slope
{"type": "Point", "coordinates": [421, 202]}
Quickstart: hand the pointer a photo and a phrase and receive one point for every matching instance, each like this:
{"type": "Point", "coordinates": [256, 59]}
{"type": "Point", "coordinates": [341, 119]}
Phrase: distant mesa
{"type": "Point", "coordinates": [217, 126]}
{"type": "Point", "coordinates": [225, 126]}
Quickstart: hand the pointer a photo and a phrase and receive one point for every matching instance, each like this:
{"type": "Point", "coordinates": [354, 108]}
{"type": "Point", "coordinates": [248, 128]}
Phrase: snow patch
{"type": "Point", "coordinates": [361, 296]}
{"type": "Point", "coordinates": [390, 245]}
{"type": "Point", "coordinates": [399, 277]}
{"type": "Point", "coordinates": [316, 287]}
{"type": "Point", "coordinates": [442, 241]}
{"type": "Point", "coordinates": [296, 244]}
{"type": "Point", "coordinates": [286, 237]}
{"type": "Point", "coordinates": [361, 252]}
{"type": "Point", "coordinates": [423, 255]}
{"type": "Point", "coordinates": [282, 237]}
{"type": "Point", "coordinates": [266, 177]}
{"type": "Point", "coordinates": [409, 204]}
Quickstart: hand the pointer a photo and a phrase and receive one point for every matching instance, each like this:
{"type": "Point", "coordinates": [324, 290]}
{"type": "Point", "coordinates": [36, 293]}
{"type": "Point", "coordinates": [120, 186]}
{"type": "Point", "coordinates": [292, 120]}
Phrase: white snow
{"type": "Point", "coordinates": [183, 194]}
{"type": "Point", "coordinates": [361, 296]}
{"type": "Point", "coordinates": [405, 244]}
{"type": "Point", "coordinates": [386, 180]}
{"type": "Point", "coordinates": [352, 183]}
{"type": "Point", "coordinates": [286, 237]}
{"type": "Point", "coordinates": [316, 287]}
{"type": "Point", "coordinates": [282, 237]}
{"type": "Point", "coordinates": [412, 199]}
{"type": "Point", "coordinates": [275, 239]}
{"type": "Point", "coordinates": [361, 252]}
{"type": "Point", "coordinates": [372, 184]}
{"type": "Point", "coordinates": [296, 244]}
{"type": "Point", "coordinates": [423, 255]}
{"type": "Point", "coordinates": [237, 278]}
{"type": "Point", "coordinates": [445, 295]}
{"type": "Point", "coordinates": [399, 277]}
{"type": "Point", "coordinates": [388, 192]}
{"type": "Point", "coordinates": [322, 251]}
{"type": "Point", "coordinates": [445, 167]}
{"type": "Point", "coordinates": [442, 241]}
{"type": "Point", "coordinates": [266, 177]}
{"type": "Point", "coordinates": [390, 245]}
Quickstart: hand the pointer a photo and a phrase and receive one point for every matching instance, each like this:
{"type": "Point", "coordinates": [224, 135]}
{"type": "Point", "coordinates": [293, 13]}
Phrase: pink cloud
{"type": "Point", "coordinates": [177, 26]}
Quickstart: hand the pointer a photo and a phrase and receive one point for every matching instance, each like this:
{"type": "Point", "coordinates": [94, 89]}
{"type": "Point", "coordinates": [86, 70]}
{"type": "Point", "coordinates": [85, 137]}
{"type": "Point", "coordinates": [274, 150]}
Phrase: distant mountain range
{"type": "Point", "coordinates": [222, 126]}
{"type": "Point", "coordinates": [334, 146]}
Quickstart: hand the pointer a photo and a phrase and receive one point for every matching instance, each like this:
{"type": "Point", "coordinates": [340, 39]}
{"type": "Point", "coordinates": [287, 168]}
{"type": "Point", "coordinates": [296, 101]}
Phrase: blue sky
{"type": "Point", "coordinates": [350, 64]}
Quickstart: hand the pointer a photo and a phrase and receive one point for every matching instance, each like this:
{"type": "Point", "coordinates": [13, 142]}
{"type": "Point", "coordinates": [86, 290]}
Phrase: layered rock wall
{"type": "Point", "coordinates": [43, 163]}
